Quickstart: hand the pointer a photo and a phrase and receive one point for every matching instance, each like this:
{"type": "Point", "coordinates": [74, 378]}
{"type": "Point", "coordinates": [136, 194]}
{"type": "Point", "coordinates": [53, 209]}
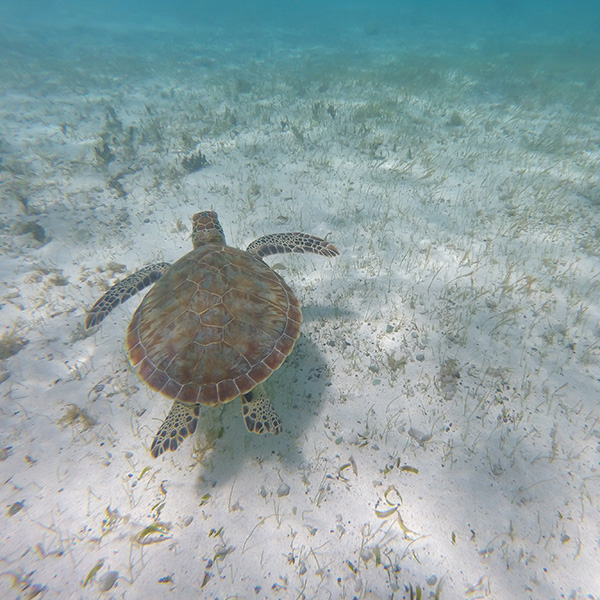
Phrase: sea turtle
{"type": "Point", "coordinates": [216, 323]}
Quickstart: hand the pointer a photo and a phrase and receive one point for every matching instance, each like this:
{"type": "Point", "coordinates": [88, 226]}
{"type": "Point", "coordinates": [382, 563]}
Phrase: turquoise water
{"type": "Point", "coordinates": [430, 24]}
{"type": "Point", "coordinates": [549, 40]}
{"type": "Point", "coordinates": [498, 45]}
{"type": "Point", "coordinates": [455, 19]}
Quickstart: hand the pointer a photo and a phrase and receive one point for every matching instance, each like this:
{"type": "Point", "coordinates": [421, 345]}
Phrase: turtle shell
{"type": "Point", "coordinates": [216, 324]}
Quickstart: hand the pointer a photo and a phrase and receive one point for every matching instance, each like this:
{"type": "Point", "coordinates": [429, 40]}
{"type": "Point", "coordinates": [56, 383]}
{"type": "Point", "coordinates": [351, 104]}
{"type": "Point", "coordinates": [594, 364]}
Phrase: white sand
{"type": "Point", "coordinates": [441, 409]}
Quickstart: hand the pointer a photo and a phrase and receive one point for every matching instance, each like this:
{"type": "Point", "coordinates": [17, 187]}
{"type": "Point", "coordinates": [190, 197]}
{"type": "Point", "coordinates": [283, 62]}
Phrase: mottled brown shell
{"type": "Point", "coordinates": [217, 323]}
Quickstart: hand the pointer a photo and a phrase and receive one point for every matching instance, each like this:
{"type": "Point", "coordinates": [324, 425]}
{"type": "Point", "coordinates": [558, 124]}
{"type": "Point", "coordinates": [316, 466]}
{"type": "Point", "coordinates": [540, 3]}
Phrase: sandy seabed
{"type": "Point", "coordinates": [441, 409]}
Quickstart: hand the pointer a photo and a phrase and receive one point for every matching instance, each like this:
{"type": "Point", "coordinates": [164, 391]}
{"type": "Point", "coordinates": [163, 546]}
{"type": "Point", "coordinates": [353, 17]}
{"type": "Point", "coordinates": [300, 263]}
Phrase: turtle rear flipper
{"type": "Point", "coordinates": [259, 414]}
{"type": "Point", "coordinates": [180, 423]}
{"type": "Point", "coordinates": [122, 291]}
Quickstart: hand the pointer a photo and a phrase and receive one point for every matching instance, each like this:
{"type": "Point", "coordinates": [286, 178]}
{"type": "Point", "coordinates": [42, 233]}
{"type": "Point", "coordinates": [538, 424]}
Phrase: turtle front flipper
{"type": "Point", "coordinates": [259, 414]}
{"type": "Point", "coordinates": [181, 422]}
{"type": "Point", "coordinates": [122, 291]}
{"type": "Point", "coordinates": [281, 243]}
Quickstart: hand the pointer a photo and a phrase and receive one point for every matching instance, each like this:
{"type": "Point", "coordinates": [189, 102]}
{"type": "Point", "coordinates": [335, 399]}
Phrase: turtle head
{"type": "Point", "coordinates": [206, 229]}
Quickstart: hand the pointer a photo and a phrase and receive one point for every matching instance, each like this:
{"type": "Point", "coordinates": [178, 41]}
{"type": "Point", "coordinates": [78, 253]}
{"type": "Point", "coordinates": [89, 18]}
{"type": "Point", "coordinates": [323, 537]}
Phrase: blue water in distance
{"type": "Point", "coordinates": [500, 45]}
{"type": "Point", "coordinates": [454, 21]}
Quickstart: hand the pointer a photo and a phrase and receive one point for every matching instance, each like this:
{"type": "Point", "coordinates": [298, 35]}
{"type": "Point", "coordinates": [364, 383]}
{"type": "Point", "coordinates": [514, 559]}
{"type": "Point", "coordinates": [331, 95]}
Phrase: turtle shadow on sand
{"type": "Point", "coordinates": [297, 389]}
